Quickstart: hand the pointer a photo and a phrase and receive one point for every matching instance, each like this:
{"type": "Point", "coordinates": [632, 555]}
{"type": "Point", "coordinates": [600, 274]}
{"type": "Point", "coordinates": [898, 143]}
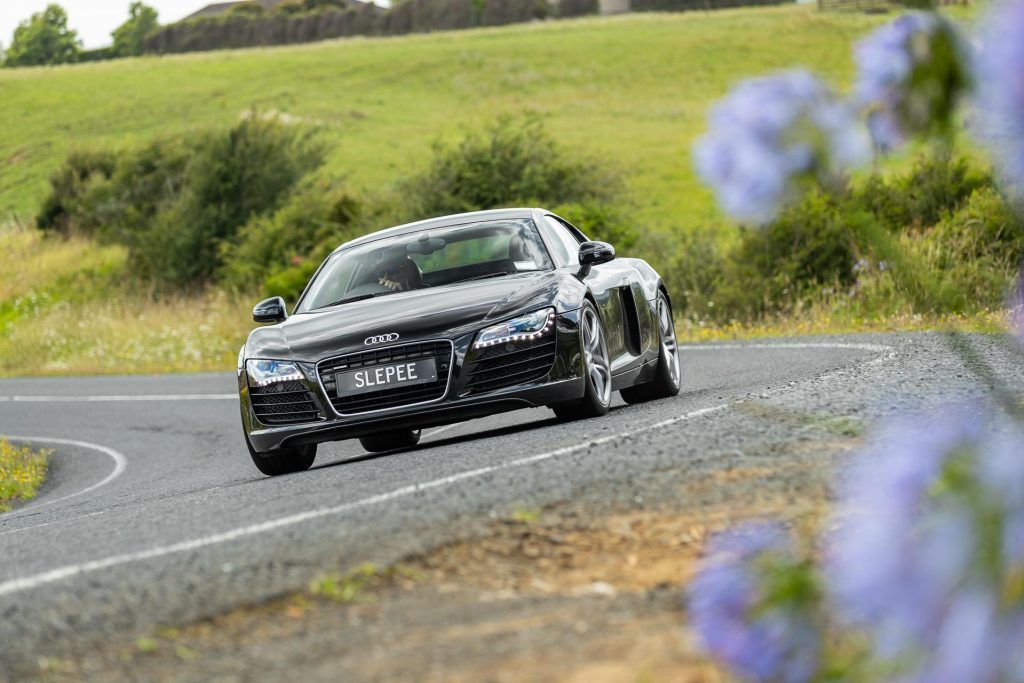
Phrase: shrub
{"type": "Point", "coordinates": [510, 162]}
{"type": "Point", "coordinates": [246, 9]}
{"type": "Point", "coordinates": [233, 177]}
{"type": "Point", "coordinates": [975, 251]}
{"type": "Point", "coordinates": [313, 222]}
{"type": "Point", "coordinates": [67, 208]}
{"type": "Point", "coordinates": [956, 246]}
{"type": "Point", "coordinates": [608, 222]}
{"type": "Point", "coordinates": [691, 262]}
{"type": "Point", "coordinates": [289, 282]}
{"type": "Point", "coordinates": [811, 244]}
{"type": "Point", "coordinates": [577, 8]}
{"type": "Point", "coordinates": [175, 202]}
{"type": "Point", "coordinates": [937, 183]}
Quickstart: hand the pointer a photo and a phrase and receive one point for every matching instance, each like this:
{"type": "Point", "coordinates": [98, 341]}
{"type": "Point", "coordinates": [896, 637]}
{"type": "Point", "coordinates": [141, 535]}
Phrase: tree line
{"type": "Point", "coordinates": [45, 38]}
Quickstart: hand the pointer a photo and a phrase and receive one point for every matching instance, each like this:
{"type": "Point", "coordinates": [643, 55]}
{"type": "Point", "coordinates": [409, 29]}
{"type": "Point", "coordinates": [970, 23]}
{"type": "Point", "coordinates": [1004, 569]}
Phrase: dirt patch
{"type": "Point", "coordinates": [559, 594]}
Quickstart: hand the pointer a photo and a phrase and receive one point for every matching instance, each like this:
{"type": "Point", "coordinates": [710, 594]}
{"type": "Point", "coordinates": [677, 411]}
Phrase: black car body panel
{"type": "Point", "coordinates": [442, 322]}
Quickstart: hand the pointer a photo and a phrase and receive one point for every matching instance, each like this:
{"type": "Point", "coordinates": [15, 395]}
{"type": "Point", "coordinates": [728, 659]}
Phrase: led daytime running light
{"type": "Point", "coordinates": [263, 373]}
{"type": "Point", "coordinates": [549, 323]}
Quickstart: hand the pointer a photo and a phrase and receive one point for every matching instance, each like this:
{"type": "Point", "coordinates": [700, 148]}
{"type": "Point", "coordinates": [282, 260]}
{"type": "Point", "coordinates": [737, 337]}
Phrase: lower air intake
{"type": "Point", "coordinates": [499, 367]}
{"type": "Point", "coordinates": [283, 403]}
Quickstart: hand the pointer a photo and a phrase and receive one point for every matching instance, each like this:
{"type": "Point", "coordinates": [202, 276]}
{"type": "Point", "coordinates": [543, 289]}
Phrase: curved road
{"type": "Point", "coordinates": [154, 514]}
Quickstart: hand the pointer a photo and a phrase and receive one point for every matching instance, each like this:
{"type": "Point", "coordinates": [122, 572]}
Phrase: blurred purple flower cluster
{"type": "Point", "coordinates": [928, 555]}
{"type": "Point", "coordinates": [732, 606]}
{"type": "Point", "coordinates": [1001, 88]}
{"type": "Point", "coordinates": [771, 133]}
{"type": "Point", "coordinates": [911, 74]}
{"type": "Point", "coordinates": [925, 556]}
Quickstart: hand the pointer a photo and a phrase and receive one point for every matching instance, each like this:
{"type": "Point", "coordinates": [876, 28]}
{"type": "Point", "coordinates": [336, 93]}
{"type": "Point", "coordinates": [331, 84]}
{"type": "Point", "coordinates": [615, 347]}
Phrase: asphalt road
{"type": "Point", "coordinates": [154, 514]}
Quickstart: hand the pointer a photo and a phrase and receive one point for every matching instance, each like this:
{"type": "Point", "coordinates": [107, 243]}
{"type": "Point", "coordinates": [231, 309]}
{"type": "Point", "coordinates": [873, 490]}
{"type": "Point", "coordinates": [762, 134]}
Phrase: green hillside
{"type": "Point", "coordinates": [633, 90]}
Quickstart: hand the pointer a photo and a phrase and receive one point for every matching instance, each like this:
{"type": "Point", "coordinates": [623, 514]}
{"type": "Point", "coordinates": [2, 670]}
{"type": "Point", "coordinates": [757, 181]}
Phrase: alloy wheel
{"type": "Point", "coordinates": [595, 354]}
{"type": "Point", "coordinates": [669, 346]}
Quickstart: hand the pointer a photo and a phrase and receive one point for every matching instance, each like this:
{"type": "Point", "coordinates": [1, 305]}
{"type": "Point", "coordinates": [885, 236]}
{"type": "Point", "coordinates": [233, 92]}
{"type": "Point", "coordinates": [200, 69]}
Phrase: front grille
{"type": "Point", "coordinates": [441, 351]}
{"type": "Point", "coordinates": [283, 403]}
{"type": "Point", "coordinates": [504, 366]}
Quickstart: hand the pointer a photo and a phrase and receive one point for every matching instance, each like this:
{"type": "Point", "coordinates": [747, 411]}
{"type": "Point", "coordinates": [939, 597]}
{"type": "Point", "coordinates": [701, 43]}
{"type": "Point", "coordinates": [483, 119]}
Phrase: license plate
{"type": "Point", "coordinates": [385, 377]}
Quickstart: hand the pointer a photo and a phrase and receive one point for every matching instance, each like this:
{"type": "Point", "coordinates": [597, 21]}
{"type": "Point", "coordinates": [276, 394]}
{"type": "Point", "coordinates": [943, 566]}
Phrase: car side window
{"type": "Point", "coordinates": [562, 241]}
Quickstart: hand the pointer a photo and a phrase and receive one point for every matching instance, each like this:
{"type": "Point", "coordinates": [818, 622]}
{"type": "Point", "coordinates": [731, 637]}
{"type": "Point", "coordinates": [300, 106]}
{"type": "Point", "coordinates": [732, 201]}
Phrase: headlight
{"type": "Point", "coordinates": [264, 372]}
{"type": "Point", "coordinates": [531, 326]}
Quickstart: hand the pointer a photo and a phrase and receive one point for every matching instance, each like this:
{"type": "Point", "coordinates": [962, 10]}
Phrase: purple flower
{"type": "Point", "coordinates": [970, 642]}
{"type": "Point", "coordinates": [771, 133]}
{"type": "Point", "coordinates": [928, 549]}
{"type": "Point", "coordinates": [741, 620]}
{"type": "Point", "coordinates": [880, 574]}
{"type": "Point", "coordinates": [1000, 75]}
{"type": "Point", "coordinates": [911, 73]}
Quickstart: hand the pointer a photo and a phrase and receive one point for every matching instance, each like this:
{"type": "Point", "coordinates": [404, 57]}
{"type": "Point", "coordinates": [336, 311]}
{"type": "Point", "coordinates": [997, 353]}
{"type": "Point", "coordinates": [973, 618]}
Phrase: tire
{"type": "Point", "coordinates": [597, 372]}
{"type": "Point", "coordinates": [390, 441]}
{"type": "Point", "coordinates": [283, 460]}
{"type": "Point", "coordinates": [666, 380]}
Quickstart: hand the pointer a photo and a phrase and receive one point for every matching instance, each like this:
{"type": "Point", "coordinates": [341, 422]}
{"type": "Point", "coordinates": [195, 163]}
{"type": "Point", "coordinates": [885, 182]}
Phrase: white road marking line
{"type": "Point", "coordinates": [786, 345]}
{"type": "Point", "coordinates": [61, 573]}
{"type": "Point", "coordinates": [441, 430]}
{"type": "Point", "coordinates": [54, 575]}
{"type": "Point", "coordinates": [120, 463]}
{"type": "Point", "coordinates": [121, 397]}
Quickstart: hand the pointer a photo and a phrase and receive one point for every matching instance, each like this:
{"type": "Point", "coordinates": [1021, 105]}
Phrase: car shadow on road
{"type": "Point", "coordinates": [454, 440]}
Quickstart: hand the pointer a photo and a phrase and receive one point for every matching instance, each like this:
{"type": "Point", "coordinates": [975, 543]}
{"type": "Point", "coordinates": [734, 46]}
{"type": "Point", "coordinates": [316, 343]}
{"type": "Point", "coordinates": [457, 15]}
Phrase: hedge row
{"type": "Point", "coordinates": [410, 16]}
{"type": "Point", "coordinates": [687, 5]}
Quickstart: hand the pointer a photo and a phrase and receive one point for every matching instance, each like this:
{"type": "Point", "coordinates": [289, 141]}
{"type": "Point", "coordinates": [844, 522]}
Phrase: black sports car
{"type": "Point", "coordinates": [449, 319]}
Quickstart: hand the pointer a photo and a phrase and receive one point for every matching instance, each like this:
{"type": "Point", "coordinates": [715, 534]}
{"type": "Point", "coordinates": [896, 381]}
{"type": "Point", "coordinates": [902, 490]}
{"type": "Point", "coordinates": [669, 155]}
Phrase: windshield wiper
{"type": "Point", "coordinates": [355, 298]}
{"type": "Point", "coordinates": [485, 276]}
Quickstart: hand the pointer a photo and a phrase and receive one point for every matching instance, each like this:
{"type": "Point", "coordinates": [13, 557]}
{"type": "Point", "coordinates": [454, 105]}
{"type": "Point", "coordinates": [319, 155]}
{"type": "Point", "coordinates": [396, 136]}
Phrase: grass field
{"type": "Point", "coordinates": [632, 90]}
{"type": "Point", "coordinates": [66, 308]}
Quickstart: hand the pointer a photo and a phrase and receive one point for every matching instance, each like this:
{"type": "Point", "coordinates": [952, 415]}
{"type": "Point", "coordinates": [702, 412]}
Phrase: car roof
{"type": "Point", "coordinates": [446, 222]}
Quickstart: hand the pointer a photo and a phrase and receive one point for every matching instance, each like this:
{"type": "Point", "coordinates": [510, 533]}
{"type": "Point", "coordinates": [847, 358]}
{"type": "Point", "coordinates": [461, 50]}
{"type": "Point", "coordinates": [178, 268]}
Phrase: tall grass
{"type": "Point", "coordinates": [68, 307]}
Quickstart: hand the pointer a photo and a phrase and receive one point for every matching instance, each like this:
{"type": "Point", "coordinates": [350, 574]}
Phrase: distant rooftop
{"type": "Point", "coordinates": [219, 8]}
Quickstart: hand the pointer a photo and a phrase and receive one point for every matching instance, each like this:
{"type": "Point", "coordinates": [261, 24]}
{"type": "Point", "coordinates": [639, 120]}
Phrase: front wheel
{"type": "Point", "coordinates": [597, 371]}
{"type": "Point", "coordinates": [666, 380]}
{"type": "Point", "coordinates": [390, 441]}
{"type": "Point", "coordinates": [283, 460]}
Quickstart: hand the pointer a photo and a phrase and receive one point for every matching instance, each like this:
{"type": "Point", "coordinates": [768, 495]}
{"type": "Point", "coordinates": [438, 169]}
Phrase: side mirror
{"type": "Point", "coordinates": [270, 310]}
{"type": "Point", "coordinates": [592, 253]}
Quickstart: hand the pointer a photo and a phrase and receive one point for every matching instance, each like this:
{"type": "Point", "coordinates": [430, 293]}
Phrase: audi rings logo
{"type": "Point", "coordinates": [381, 339]}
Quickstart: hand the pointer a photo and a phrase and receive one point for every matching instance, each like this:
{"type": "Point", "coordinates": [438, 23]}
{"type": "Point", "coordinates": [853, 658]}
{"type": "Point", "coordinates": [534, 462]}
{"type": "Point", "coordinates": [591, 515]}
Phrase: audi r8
{"type": "Point", "coordinates": [449, 319]}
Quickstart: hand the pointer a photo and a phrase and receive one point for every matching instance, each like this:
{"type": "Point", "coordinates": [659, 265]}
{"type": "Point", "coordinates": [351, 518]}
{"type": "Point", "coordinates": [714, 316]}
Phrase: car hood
{"type": "Point", "coordinates": [433, 313]}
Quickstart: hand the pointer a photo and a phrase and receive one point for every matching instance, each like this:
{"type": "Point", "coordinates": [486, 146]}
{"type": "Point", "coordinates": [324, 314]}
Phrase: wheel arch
{"type": "Point", "coordinates": [668, 297]}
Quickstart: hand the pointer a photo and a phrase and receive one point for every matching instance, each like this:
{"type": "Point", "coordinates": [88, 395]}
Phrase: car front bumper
{"type": "Point", "coordinates": [562, 383]}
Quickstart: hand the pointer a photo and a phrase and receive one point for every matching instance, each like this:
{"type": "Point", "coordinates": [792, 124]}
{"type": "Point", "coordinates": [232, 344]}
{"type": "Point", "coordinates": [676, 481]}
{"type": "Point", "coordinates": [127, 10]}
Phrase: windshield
{"type": "Point", "coordinates": [430, 258]}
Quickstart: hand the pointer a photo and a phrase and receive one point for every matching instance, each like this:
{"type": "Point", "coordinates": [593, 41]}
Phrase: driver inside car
{"type": "Point", "coordinates": [399, 275]}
